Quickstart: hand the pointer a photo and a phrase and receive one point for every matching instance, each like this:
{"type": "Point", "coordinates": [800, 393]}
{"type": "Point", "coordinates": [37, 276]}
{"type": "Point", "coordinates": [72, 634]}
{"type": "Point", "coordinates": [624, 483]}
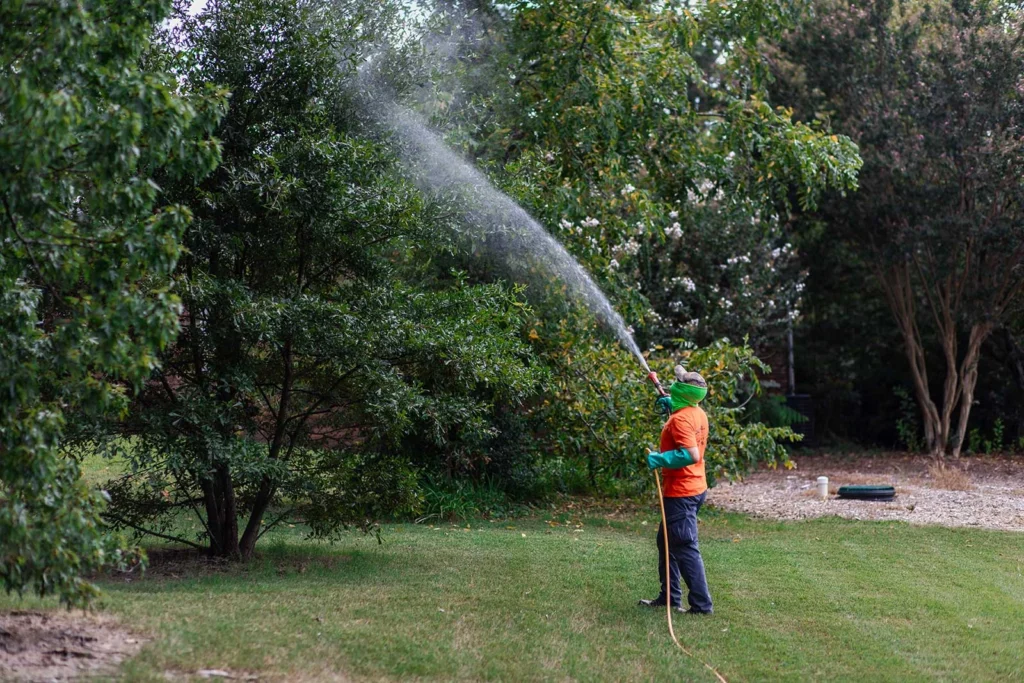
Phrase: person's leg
{"type": "Point", "coordinates": [686, 555]}
{"type": "Point", "coordinates": [676, 583]}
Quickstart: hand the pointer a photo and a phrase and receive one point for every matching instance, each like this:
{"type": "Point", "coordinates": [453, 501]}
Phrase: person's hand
{"type": "Point", "coordinates": [664, 404]}
{"type": "Point", "coordinates": [653, 459]}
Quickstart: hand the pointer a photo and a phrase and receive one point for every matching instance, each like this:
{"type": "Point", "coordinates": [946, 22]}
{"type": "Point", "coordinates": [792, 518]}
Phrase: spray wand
{"type": "Point", "coordinates": [653, 376]}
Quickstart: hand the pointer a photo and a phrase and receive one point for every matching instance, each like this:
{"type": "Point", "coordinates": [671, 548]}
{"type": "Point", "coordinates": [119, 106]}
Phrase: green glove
{"type": "Point", "coordinates": [670, 459]}
{"type": "Point", "coordinates": [664, 404]}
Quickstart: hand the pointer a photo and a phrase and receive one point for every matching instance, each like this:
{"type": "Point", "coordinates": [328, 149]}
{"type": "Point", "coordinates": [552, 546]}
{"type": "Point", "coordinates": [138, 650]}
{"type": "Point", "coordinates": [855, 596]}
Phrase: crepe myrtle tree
{"type": "Point", "coordinates": [86, 303]}
{"type": "Point", "coordinates": [313, 350]}
{"type": "Point", "coordinates": [932, 94]}
{"type": "Point", "coordinates": [644, 138]}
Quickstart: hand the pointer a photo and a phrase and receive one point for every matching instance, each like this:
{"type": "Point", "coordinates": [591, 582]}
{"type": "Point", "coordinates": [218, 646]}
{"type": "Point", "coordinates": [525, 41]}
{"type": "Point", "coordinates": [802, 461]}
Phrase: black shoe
{"type": "Point", "coordinates": [658, 602]}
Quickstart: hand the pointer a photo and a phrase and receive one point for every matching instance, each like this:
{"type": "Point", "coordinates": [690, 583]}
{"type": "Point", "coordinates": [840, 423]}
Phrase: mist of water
{"type": "Point", "coordinates": [511, 239]}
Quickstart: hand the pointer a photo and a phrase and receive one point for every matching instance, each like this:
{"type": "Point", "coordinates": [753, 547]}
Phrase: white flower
{"type": "Point", "coordinates": [589, 222]}
{"type": "Point", "coordinates": [673, 215]}
{"type": "Point", "coordinates": [725, 303]}
{"type": "Point", "coordinates": [794, 314]}
{"type": "Point", "coordinates": [800, 286]}
{"type": "Point", "coordinates": [566, 225]}
{"type": "Point", "coordinates": [688, 284]}
{"type": "Point", "coordinates": [675, 306]}
{"type": "Point", "coordinates": [693, 323]}
{"type": "Point", "coordinates": [550, 156]}
{"type": "Point", "coordinates": [675, 232]}
{"type": "Point", "coordinates": [640, 227]}
{"type": "Point", "coordinates": [628, 189]}
{"type": "Point", "coordinates": [630, 248]}
{"type": "Point", "coordinates": [614, 264]}
{"type": "Point", "coordinates": [667, 112]}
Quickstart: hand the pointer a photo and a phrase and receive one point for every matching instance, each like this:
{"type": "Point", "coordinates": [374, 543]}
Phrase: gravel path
{"type": "Point", "coordinates": [994, 498]}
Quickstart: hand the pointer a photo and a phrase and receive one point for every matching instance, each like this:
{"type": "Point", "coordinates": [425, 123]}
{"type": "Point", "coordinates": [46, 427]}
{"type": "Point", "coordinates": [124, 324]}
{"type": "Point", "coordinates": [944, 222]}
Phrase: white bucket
{"type": "Point", "coordinates": [823, 487]}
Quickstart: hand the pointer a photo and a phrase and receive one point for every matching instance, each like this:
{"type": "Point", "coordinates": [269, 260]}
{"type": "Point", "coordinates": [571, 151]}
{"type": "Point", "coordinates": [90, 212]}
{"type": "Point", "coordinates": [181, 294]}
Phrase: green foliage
{"type": "Point", "coordinates": [735, 446]}
{"type": "Point", "coordinates": [85, 299]}
{"type": "Point", "coordinates": [974, 441]}
{"type": "Point", "coordinates": [773, 411]}
{"type": "Point", "coordinates": [603, 417]}
{"type": "Point", "coordinates": [642, 138]}
{"type": "Point", "coordinates": [321, 361]}
{"type": "Point", "coordinates": [454, 500]}
{"type": "Point", "coordinates": [995, 444]}
{"type": "Point", "coordinates": [908, 425]}
{"type": "Point", "coordinates": [979, 444]}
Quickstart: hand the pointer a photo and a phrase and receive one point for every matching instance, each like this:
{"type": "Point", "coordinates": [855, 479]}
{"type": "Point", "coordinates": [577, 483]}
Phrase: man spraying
{"type": "Point", "coordinates": [683, 440]}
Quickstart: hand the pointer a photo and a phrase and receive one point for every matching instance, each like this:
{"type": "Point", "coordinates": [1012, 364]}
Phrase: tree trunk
{"type": "Point", "coordinates": [896, 283]}
{"type": "Point", "coordinates": [221, 513]}
{"type": "Point", "coordinates": [229, 507]}
{"type": "Point", "coordinates": [267, 486]}
{"type": "Point", "coordinates": [952, 386]}
{"type": "Point", "coordinates": [968, 380]}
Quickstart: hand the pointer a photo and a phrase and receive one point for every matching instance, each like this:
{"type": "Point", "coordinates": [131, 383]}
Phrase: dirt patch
{"type": "Point", "coordinates": [992, 499]}
{"type": "Point", "coordinates": [62, 646]}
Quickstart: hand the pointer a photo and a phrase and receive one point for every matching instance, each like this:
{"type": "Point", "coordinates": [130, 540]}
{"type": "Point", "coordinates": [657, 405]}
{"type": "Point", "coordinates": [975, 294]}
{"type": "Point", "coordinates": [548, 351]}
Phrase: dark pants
{"type": "Point", "coordinates": [684, 553]}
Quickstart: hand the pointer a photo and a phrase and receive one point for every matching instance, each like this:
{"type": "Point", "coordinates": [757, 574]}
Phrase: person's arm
{"type": "Point", "coordinates": [686, 453]}
{"type": "Point", "coordinates": [681, 457]}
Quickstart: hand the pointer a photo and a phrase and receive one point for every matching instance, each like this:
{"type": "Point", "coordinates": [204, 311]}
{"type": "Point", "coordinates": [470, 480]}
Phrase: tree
{"type": "Point", "coordinates": [85, 298]}
{"type": "Point", "coordinates": [931, 93]}
{"type": "Point", "coordinates": [649, 147]}
{"type": "Point", "coordinates": [318, 365]}
{"type": "Point", "coordinates": [640, 135]}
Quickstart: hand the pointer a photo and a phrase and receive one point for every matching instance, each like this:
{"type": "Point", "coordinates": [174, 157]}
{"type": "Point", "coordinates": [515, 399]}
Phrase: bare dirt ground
{"type": "Point", "coordinates": [62, 646]}
{"type": "Point", "coordinates": [993, 497]}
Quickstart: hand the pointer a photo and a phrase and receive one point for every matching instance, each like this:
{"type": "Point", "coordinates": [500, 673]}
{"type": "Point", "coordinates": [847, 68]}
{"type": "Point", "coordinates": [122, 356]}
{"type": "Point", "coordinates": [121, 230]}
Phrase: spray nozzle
{"type": "Point", "coordinates": [653, 376]}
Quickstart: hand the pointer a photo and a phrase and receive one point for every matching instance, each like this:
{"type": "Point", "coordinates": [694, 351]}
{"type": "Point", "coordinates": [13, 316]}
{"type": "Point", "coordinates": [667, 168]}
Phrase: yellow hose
{"type": "Point", "coordinates": [668, 582]}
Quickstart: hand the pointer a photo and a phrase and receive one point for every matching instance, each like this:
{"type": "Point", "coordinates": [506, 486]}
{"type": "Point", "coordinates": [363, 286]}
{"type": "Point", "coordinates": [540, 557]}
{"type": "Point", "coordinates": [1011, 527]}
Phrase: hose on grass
{"type": "Point", "coordinates": [668, 583]}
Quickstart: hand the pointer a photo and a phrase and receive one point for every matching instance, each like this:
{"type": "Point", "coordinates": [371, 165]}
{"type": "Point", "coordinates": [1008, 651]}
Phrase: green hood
{"type": "Point", "coordinates": [684, 395]}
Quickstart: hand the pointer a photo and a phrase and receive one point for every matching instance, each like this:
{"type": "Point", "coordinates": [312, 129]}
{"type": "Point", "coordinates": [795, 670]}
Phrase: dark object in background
{"type": "Point", "coordinates": [880, 493]}
{"type": "Point", "coordinates": [803, 404]}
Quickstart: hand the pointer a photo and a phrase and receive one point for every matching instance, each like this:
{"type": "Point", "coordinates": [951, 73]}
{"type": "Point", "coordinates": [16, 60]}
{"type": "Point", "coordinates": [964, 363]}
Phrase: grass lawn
{"type": "Point", "coordinates": [826, 599]}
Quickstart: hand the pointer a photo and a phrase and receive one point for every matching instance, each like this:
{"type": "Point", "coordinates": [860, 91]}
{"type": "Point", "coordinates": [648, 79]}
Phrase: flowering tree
{"type": "Point", "coordinates": [641, 135]}
{"type": "Point", "coordinates": [657, 155]}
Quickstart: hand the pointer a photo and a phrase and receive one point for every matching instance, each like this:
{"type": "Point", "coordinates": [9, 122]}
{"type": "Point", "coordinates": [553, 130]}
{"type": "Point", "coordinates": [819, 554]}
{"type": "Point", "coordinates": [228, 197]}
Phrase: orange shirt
{"type": "Point", "coordinates": [686, 428]}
